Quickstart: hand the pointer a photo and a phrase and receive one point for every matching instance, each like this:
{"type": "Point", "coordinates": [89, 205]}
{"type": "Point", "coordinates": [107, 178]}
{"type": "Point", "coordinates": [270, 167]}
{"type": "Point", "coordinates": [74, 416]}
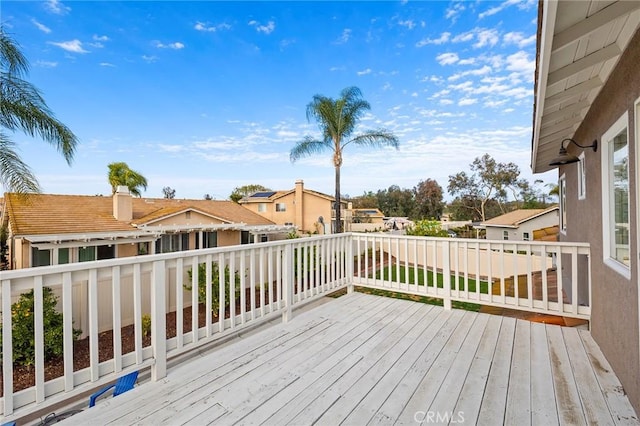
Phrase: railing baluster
{"type": "Point", "coordinates": [137, 312]}
{"type": "Point", "coordinates": [222, 297]}
{"type": "Point", "coordinates": [232, 290]}
{"type": "Point", "coordinates": [7, 349]}
{"type": "Point", "coordinates": [262, 281]}
{"type": "Point", "coordinates": [559, 278]}
{"type": "Point", "coordinates": [38, 327]}
{"type": "Point", "coordinates": [93, 325]}
{"type": "Point", "coordinates": [545, 281]}
{"type": "Point", "coordinates": [208, 280]}
{"type": "Point", "coordinates": [158, 320]}
{"type": "Point", "coordinates": [195, 299]}
{"type": "Point", "coordinates": [529, 276]}
{"type": "Point", "coordinates": [574, 280]}
{"type": "Point", "coordinates": [243, 287]}
{"type": "Point", "coordinates": [67, 331]}
{"type": "Point", "coordinates": [252, 283]}
{"type": "Point", "coordinates": [116, 319]}
{"type": "Point", "coordinates": [179, 303]}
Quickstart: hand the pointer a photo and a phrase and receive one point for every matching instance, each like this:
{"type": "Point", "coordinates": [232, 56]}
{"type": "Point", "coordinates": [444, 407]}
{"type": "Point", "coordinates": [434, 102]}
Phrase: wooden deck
{"type": "Point", "coordinates": [363, 359]}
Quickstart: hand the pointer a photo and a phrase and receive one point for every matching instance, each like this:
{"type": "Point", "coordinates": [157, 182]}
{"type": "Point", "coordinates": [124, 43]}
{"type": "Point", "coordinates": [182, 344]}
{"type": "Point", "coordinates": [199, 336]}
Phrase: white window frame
{"type": "Point", "coordinates": [582, 177]}
{"type": "Point", "coordinates": [622, 124]}
{"type": "Point", "coordinates": [262, 207]}
{"type": "Point", "coordinates": [526, 236]}
{"type": "Point", "coordinates": [562, 201]}
{"type": "Point", "coordinates": [281, 207]}
{"type": "Point", "coordinates": [505, 235]}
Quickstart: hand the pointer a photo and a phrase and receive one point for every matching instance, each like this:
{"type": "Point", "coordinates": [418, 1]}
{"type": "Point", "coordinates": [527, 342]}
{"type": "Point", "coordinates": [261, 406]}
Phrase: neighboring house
{"type": "Point", "coordinates": [588, 89]}
{"type": "Point", "coordinates": [309, 211]}
{"type": "Point", "coordinates": [520, 224]}
{"type": "Point", "coordinates": [366, 220]}
{"type": "Point", "coordinates": [48, 229]}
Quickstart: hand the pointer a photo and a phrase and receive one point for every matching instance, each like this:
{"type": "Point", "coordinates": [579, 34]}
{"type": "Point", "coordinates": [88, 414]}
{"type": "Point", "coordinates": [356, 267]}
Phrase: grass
{"type": "Point", "coordinates": [429, 279]}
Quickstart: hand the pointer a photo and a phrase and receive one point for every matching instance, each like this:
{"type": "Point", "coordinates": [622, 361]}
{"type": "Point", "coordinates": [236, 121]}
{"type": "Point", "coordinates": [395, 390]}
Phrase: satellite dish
{"type": "Point", "coordinates": [321, 220]}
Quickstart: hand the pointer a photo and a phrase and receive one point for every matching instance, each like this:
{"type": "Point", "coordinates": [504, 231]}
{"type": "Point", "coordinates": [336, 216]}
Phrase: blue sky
{"type": "Point", "coordinates": [206, 96]}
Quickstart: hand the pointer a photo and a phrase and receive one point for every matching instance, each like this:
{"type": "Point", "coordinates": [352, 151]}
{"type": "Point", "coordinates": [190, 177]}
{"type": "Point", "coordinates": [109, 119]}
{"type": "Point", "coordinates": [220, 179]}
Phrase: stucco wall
{"type": "Point", "coordinates": [615, 298]}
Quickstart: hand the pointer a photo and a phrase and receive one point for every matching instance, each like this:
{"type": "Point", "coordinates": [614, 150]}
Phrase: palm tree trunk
{"type": "Point", "coordinates": [337, 206]}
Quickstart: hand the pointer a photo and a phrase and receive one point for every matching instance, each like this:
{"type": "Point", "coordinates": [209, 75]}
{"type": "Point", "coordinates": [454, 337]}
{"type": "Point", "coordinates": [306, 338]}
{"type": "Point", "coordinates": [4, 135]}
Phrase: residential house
{"type": "Point", "coordinates": [520, 224]}
{"type": "Point", "coordinates": [364, 220]}
{"type": "Point", "coordinates": [587, 124]}
{"type": "Point", "coordinates": [309, 211]}
{"type": "Point", "coordinates": [48, 229]}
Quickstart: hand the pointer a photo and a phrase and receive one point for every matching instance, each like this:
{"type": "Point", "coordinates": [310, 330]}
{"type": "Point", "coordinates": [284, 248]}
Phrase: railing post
{"type": "Point", "coordinates": [287, 282]}
{"type": "Point", "coordinates": [158, 321]}
{"type": "Point", "coordinates": [7, 349]}
{"type": "Point", "coordinates": [446, 274]}
{"type": "Point", "coordinates": [350, 260]}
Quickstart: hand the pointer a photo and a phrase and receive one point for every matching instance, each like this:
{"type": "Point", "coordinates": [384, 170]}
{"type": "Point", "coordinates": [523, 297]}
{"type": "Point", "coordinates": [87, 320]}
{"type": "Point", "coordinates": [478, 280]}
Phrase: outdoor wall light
{"type": "Point", "coordinates": [565, 158]}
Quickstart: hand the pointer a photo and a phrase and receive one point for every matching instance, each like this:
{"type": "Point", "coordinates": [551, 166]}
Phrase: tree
{"type": "Point", "coordinates": [239, 192]}
{"type": "Point", "coordinates": [426, 228]}
{"type": "Point", "coordinates": [208, 197]}
{"type": "Point", "coordinates": [169, 192]}
{"type": "Point", "coordinates": [22, 108]}
{"type": "Point", "coordinates": [428, 198]}
{"type": "Point", "coordinates": [367, 200]}
{"type": "Point", "coordinates": [337, 119]}
{"type": "Point", "coordinates": [121, 175]}
{"type": "Point", "coordinates": [489, 180]}
{"type": "Point", "coordinates": [396, 202]}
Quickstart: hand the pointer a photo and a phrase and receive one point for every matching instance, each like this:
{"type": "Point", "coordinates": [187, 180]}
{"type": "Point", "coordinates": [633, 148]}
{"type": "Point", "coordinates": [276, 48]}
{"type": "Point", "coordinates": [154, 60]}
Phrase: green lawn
{"type": "Point", "coordinates": [484, 285]}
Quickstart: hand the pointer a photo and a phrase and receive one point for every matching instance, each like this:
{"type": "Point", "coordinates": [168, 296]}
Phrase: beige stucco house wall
{"type": "Point", "coordinates": [300, 207]}
{"type": "Point", "coordinates": [608, 105]}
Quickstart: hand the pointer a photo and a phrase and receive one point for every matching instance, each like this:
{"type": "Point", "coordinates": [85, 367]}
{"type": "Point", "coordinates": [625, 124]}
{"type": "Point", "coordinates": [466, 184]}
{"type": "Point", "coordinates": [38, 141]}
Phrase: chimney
{"type": "Point", "coordinates": [299, 213]}
{"type": "Point", "coordinates": [122, 204]}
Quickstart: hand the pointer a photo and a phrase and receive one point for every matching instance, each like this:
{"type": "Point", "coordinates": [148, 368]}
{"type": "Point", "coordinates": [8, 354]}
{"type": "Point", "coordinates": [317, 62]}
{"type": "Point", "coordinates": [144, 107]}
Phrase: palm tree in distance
{"type": "Point", "coordinates": [121, 175]}
{"type": "Point", "coordinates": [337, 119]}
{"type": "Point", "coordinates": [23, 109]}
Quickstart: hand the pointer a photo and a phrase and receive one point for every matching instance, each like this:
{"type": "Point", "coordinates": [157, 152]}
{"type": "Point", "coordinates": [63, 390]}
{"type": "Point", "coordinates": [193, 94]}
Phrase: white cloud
{"type": "Point", "coordinates": [287, 42]}
{"type": "Point", "coordinates": [486, 38]}
{"type": "Point", "coordinates": [408, 23]}
{"type": "Point", "coordinates": [149, 59]}
{"type": "Point", "coordinates": [478, 71]}
{"type": "Point", "coordinates": [56, 6]}
{"type": "Point", "coordinates": [444, 37]}
{"type": "Point", "coordinates": [460, 38]}
{"type": "Point", "coordinates": [446, 101]}
{"type": "Point", "coordinates": [40, 26]}
{"type": "Point", "coordinates": [499, 8]}
{"type": "Point", "coordinates": [519, 62]}
{"type": "Point", "coordinates": [364, 72]}
{"type": "Point", "coordinates": [454, 11]}
{"type": "Point", "coordinates": [518, 39]}
{"type": "Point", "coordinates": [46, 64]}
{"type": "Point", "coordinates": [206, 27]}
{"type": "Point", "coordinates": [74, 46]}
{"type": "Point", "coordinates": [107, 64]}
{"type": "Point", "coordinates": [176, 45]}
{"type": "Point", "coordinates": [332, 69]}
{"type": "Point", "coordinates": [447, 58]}
{"type": "Point", "coordinates": [344, 37]}
{"type": "Point", "coordinates": [467, 101]}
{"type": "Point", "coordinates": [265, 29]}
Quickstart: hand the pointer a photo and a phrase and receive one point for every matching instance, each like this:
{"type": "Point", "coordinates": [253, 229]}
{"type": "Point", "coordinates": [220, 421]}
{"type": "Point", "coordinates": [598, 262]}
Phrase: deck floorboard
{"type": "Point", "coordinates": [363, 359]}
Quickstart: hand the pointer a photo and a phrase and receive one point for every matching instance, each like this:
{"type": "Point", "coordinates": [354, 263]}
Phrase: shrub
{"type": "Point", "coordinates": [427, 228]}
{"type": "Point", "coordinates": [23, 330]}
{"type": "Point", "coordinates": [215, 284]}
{"type": "Point", "coordinates": [146, 325]}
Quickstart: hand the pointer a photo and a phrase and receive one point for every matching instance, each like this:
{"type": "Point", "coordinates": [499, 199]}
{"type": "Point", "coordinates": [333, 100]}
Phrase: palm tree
{"type": "Point", "coordinates": [23, 109]}
{"type": "Point", "coordinates": [337, 119]}
{"type": "Point", "coordinates": [121, 175]}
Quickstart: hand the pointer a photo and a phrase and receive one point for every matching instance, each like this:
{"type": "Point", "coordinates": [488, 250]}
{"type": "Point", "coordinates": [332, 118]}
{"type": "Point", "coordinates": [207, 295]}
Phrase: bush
{"type": "Point", "coordinates": [23, 332]}
{"type": "Point", "coordinates": [215, 284]}
{"type": "Point", "coordinates": [146, 325]}
{"type": "Point", "coordinates": [427, 228]}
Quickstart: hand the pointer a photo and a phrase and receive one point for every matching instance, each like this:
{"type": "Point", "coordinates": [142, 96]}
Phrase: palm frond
{"type": "Point", "coordinates": [308, 146]}
{"type": "Point", "coordinates": [12, 60]}
{"type": "Point", "coordinates": [23, 108]}
{"type": "Point", "coordinates": [375, 138]}
{"type": "Point", "coordinates": [15, 175]}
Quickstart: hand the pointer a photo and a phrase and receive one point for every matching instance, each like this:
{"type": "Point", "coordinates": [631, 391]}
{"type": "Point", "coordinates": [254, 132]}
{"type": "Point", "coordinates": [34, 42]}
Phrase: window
{"type": "Point", "coordinates": [209, 240]}
{"type": "Point", "coordinates": [143, 248]}
{"type": "Point", "coordinates": [505, 235]}
{"type": "Point", "coordinates": [562, 188]}
{"type": "Point", "coordinates": [615, 189]}
{"type": "Point", "coordinates": [582, 178]}
{"type": "Point", "coordinates": [525, 236]}
{"type": "Point", "coordinates": [246, 237]}
{"type": "Point", "coordinates": [86, 254]}
{"type": "Point", "coordinates": [262, 207]}
{"type": "Point", "coordinates": [106, 252]}
{"type": "Point", "coordinates": [40, 257]}
{"type": "Point", "coordinates": [168, 243]}
{"type": "Point", "coordinates": [63, 256]}
{"type": "Point", "coordinates": [281, 207]}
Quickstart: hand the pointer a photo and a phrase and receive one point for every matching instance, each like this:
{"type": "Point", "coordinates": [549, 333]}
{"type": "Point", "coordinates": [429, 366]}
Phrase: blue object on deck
{"type": "Point", "coordinates": [123, 384]}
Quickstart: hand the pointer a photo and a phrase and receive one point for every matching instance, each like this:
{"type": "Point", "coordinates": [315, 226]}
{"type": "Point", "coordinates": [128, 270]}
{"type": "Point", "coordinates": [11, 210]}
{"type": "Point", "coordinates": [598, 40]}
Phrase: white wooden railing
{"type": "Point", "coordinates": [273, 278]}
{"type": "Point", "coordinates": [552, 278]}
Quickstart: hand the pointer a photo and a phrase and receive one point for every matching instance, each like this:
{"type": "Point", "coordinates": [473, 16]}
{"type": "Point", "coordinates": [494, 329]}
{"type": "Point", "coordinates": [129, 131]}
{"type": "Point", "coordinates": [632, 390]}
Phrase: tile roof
{"type": "Point", "coordinates": [516, 217]}
{"type": "Point", "coordinates": [42, 214]}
